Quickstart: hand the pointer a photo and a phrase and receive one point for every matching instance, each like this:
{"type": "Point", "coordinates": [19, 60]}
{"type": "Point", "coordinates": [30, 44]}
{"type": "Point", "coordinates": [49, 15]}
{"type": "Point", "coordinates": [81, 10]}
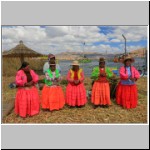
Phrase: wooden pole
{"type": "Point", "coordinates": [125, 44]}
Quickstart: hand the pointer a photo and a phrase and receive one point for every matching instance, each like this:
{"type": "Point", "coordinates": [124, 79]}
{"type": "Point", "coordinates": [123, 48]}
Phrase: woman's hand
{"type": "Point", "coordinates": [56, 79]}
{"type": "Point", "coordinates": [103, 74]}
{"type": "Point", "coordinates": [76, 82]}
{"type": "Point", "coordinates": [132, 79]}
{"type": "Point", "coordinates": [29, 83]}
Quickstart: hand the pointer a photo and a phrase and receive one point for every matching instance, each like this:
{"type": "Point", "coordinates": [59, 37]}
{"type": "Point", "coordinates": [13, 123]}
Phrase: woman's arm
{"type": "Point", "coordinates": [69, 77]}
{"type": "Point", "coordinates": [59, 78]}
{"type": "Point", "coordinates": [95, 73]}
{"type": "Point", "coordinates": [48, 77]}
{"type": "Point", "coordinates": [109, 73]}
{"type": "Point", "coordinates": [35, 77]}
{"type": "Point", "coordinates": [19, 79]}
{"type": "Point", "coordinates": [123, 76]}
{"type": "Point", "coordinates": [82, 77]}
{"type": "Point", "coordinates": [45, 67]}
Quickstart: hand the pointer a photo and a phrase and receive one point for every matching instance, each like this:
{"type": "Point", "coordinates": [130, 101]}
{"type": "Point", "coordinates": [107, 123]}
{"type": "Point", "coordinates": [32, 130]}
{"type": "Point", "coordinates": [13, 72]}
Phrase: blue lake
{"type": "Point", "coordinates": [87, 67]}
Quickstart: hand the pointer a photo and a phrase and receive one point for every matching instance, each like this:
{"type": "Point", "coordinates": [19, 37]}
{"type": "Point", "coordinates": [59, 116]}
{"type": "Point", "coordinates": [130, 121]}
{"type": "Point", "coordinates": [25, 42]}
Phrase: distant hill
{"type": "Point", "coordinates": [79, 55]}
{"type": "Point", "coordinates": [93, 55]}
{"type": "Point", "coordinates": [138, 53]}
{"type": "Point", "coordinates": [68, 56]}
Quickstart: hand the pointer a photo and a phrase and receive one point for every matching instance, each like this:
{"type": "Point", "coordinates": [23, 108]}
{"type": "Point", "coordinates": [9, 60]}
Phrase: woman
{"type": "Point", "coordinates": [126, 94]}
{"type": "Point", "coordinates": [101, 89]}
{"type": "Point", "coordinates": [51, 57]}
{"type": "Point", "coordinates": [27, 98]}
{"type": "Point", "coordinates": [75, 91]}
{"type": "Point", "coordinates": [52, 93]}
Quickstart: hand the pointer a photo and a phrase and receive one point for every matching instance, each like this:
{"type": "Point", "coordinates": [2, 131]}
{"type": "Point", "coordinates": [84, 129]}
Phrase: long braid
{"type": "Point", "coordinates": [130, 70]}
{"type": "Point", "coordinates": [125, 68]}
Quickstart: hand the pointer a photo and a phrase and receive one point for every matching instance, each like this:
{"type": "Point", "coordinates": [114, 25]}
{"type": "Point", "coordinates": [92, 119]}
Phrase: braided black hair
{"type": "Point", "coordinates": [125, 68]}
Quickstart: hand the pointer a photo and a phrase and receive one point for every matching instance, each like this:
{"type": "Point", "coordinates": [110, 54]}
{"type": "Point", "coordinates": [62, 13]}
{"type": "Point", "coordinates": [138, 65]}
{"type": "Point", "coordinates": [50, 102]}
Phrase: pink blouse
{"type": "Point", "coordinates": [124, 76]}
{"type": "Point", "coordinates": [21, 77]}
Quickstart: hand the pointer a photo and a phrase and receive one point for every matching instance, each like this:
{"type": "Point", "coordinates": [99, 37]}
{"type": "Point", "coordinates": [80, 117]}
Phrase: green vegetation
{"type": "Point", "coordinates": [85, 60]}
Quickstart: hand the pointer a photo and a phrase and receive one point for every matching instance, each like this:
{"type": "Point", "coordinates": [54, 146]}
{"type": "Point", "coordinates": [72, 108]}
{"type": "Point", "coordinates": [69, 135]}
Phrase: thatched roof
{"type": "Point", "coordinates": [21, 50]}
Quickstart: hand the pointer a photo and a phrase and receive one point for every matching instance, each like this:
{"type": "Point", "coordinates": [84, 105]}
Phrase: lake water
{"type": "Point", "coordinates": [87, 67]}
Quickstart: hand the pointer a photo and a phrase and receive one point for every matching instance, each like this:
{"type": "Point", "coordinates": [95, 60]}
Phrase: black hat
{"type": "Point", "coordinates": [24, 64]}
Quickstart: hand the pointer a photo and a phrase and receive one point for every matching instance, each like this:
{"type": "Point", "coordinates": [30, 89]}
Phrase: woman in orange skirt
{"type": "Point", "coordinates": [126, 93]}
{"type": "Point", "coordinates": [52, 94]}
{"type": "Point", "coordinates": [101, 89]}
{"type": "Point", "coordinates": [27, 100]}
{"type": "Point", "coordinates": [75, 90]}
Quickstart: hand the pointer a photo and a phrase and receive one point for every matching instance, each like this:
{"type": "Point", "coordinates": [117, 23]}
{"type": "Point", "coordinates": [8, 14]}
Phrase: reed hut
{"type": "Point", "coordinates": [21, 51]}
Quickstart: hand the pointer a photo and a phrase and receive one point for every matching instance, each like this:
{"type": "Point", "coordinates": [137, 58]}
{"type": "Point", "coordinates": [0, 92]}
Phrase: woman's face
{"type": "Point", "coordinates": [53, 67]}
{"type": "Point", "coordinates": [52, 59]}
{"type": "Point", "coordinates": [75, 67]}
{"type": "Point", "coordinates": [102, 64]}
{"type": "Point", "coordinates": [26, 69]}
{"type": "Point", "coordinates": [128, 63]}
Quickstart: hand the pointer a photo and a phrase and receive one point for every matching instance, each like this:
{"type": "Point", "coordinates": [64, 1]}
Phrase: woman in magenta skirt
{"type": "Point", "coordinates": [126, 93]}
{"type": "Point", "coordinates": [75, 91]}
{"type": "Point", "coordinates": [27, 100]}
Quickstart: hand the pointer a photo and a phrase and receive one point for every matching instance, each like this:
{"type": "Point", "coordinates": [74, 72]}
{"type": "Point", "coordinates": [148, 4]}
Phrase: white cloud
{"type": "Point", "coordinates": [103, 49]}
{"type": "Point", "coordinates": [56, 31]}
{"type": "Point", "coordinates": [132, 33]}
{"type": "Point", "coordinates": [129, 48]}
{"type": "Point", "coordinates": [56, 39]}
{"type": "Point", "coordinates": [26, 33]}
{"type": "Point", "coordinates": [115, 40]}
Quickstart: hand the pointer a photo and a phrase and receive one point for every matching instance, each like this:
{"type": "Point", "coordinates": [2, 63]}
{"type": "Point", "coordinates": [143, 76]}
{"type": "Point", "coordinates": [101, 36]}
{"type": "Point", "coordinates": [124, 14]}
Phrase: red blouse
{"type": "Point", "coordinates": [102, 79]}
{"type": "Point", "coordinates": [75, 75]}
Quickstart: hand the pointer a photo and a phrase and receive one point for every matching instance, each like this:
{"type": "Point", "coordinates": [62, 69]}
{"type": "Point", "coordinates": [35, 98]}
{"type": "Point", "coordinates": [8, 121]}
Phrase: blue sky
{"type": "Point", "coordinates": [106, 29]}
{"type": "Point", "coordinates": [71, 38]}
{"type": "Point", "coordinates": [110, 29]}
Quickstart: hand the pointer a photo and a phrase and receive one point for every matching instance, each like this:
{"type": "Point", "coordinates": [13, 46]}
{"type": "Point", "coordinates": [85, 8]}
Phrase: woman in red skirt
{"type": "Point", "coordinates": [52, 93]}
{"type": "Point", "coordinates": [126, 93]}
{"type": "Point", "coordinates": [27, 98]}
{"type": "Point", "coordinates": [75, 90]}
{"type": "Point", "coordinates": [101, 89]}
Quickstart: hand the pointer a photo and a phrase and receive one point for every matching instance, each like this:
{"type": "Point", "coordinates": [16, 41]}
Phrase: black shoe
{"type": "Point", "coordinates": [80, 106]}
{"type": "Point", "coordinates": [71, 106]}
{"type": "Point", "coordinates": [95, 106]}
{"type": "Point", "coordinates": [105, 106]}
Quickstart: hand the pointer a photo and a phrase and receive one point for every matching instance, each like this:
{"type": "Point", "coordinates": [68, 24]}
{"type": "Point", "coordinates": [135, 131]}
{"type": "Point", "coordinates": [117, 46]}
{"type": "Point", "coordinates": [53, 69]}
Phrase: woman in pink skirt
{"type": "Point", "coordinates": [27, 98]}
{"type": "Point", "coordinates": [75, 91]}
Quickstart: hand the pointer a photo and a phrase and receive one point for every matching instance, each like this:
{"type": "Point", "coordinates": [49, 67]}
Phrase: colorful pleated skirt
{"type": "Point", "coordinates": [27, 101]}
{"type": "Point", "coordinates": [101, 93]}
{"type": "Point", "coordinates": [76, 95]}
{"type": "Point", "coordinates": [126, 95]}
{"type": "Point", "coordinates": [52, 98]}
